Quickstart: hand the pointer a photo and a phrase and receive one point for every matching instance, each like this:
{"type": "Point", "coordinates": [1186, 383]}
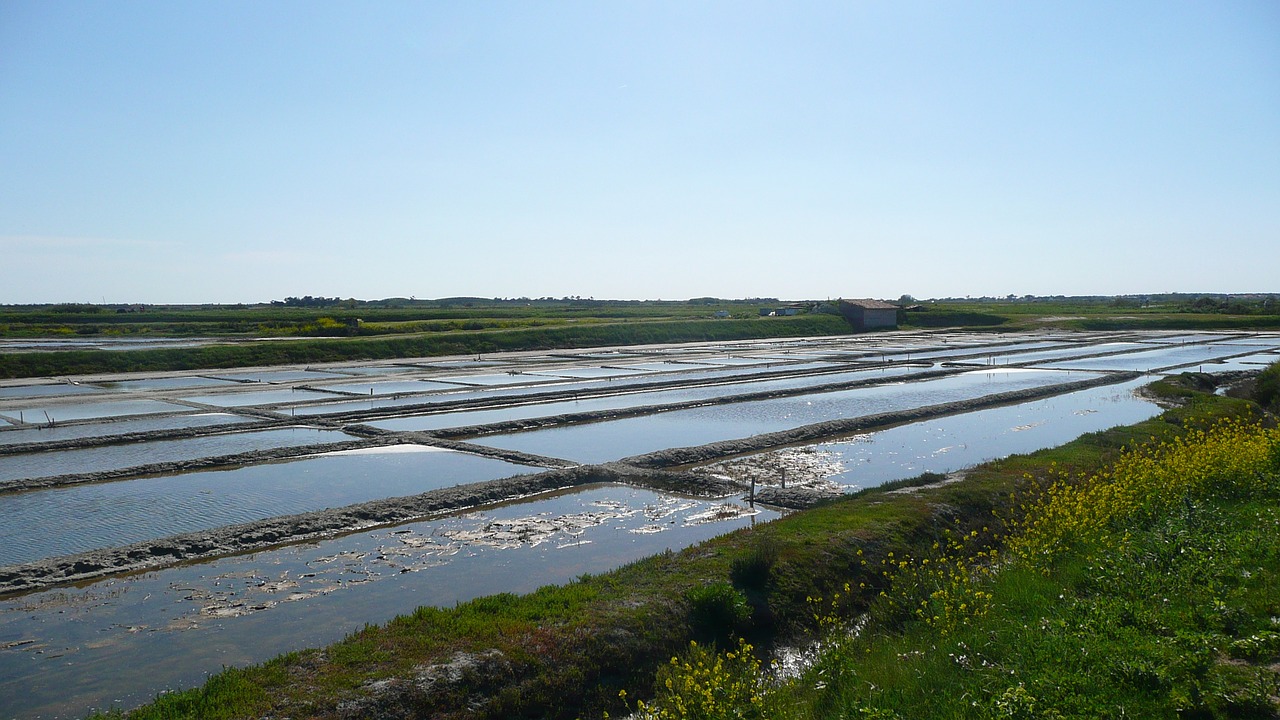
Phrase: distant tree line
{"type": "Point", "coordinates": [1228, 305]}
{"type": "Point", "coordinates": [313, 302]}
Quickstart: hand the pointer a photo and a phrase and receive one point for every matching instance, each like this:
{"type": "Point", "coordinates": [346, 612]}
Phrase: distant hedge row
{"type": "Point", "coordinates": [247, 354]}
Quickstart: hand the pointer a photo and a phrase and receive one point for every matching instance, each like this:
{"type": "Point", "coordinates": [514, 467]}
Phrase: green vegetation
{"type": "Point", "coordinates": [461, 342]}
{"type": "Point", "coordinates": [320, 329]}
{"type": "Point", "coordinates": [309, 317]}
{"type": "Point", "coordinates": [329, 330]}
{"type": "Point", "coordinates": [1267, 389]}
{"type": "Point", "coordinates": [1149, 587]}
{"type": "Point", "coordinates": [1155, 312]}
{"type": "Point", "coordinates": [1002, 630]}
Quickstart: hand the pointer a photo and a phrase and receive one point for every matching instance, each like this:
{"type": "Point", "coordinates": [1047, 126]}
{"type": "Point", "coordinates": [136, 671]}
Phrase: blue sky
{"type": "Point", "coordinates": [245, 151]}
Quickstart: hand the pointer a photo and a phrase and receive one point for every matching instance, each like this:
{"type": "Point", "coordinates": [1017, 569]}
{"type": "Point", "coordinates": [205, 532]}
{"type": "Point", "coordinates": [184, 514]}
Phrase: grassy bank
{"type": "Point", "coordinates": [281, 352]}
{"type": "Point", "coordinates": [1149, 587]}
{"type": "Point", "coordinates": [594, 645]}
{"type": "Point", "coordinates": [1086, 315]}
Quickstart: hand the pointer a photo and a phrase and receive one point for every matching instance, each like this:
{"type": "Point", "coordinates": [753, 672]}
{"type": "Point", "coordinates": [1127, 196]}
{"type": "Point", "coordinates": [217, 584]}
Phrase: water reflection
{"type": "Point", "coordinates": [62, 521]}
{"type": "Point", "coordinates": [1152, 359]}
{"type": "Point", "coordinates": [115, 457]}
{"type": "Point", "coordinates": [118, 427]}
{"type": "Point", "coordinates": [123, 640]}
{"type": "Point", "coordinates": [611, 440]}
{"type": "Point", "coordinates": [44, 414]}
{"type": "Point", "coordinates": [947, 444]}
{"type": "Point", "coordinates": [615, 402]}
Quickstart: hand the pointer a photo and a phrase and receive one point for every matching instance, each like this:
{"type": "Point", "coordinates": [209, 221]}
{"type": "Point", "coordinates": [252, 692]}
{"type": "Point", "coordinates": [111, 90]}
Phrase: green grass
{"type": "Point", "coordinates": [1155, 629]}
{"type": "Point", "coordinates": [1082, 314]}
{"type": "Point", "coordinates": [1147, 585]}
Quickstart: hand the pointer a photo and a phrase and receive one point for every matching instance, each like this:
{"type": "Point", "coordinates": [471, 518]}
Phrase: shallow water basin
{"type": "Point", "coordinates": [511, 378]}
{"type": "Point", "coordinates": [374, 369]}
{"type": "Point", "coordinates": [615, 439]}
{"type": "Point", "coordinates": [46, 390]}
{"type": "Point", "coordinates": [126, 639]}
{"type": "Point", "coordinates": [62, 521]}
{"type": "Point", "coordinates": [281, 396]}
{"type": "Point", "coordinates": [169, 383]}
{"type": "Point", "coordinates": [281, 376]}
{"type": "Point", "coordinates": [390, 387]}
{"type": "Point", "coordinates": [117, 427]}
{"type": "Point", "coordinates": [462, 418]}
{"type": "Point", "coordinates": [86, 411]}
{"type": "Point", "coordinates": [587, 372]}
{"type": "Point", "coordinates": [1146, 360]}
{"type": "Point", "coordinates": [947, 444]}
{"type": "Point", "coordinates": [117, 457]}
{"type": "Point", "coordinates": [1046, 355]}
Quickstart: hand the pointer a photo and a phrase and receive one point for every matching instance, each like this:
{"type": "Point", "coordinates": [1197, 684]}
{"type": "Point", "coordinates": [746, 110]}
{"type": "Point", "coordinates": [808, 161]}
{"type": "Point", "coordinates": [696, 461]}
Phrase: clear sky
{"type": "Point", "coordinates": [244, 151]}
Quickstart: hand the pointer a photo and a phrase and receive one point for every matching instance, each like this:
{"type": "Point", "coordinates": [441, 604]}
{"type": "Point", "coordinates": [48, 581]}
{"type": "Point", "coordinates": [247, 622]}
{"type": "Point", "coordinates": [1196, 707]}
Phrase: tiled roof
{"type": "Point", "coordinates": [872, 304]}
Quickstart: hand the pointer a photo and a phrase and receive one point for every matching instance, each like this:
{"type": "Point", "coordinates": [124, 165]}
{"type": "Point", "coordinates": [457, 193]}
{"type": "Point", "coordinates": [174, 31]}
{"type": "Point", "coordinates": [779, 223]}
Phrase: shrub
{"type": "Point", "coordinates": [1267, 390]}
{"type": "Point", "coordinates": [751, 570]}
{"type": "Point", "coordinates": [717, 610]}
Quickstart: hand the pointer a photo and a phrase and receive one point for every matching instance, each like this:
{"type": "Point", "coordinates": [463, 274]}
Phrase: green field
{"type": "Point", "coordinates": [311, 330]}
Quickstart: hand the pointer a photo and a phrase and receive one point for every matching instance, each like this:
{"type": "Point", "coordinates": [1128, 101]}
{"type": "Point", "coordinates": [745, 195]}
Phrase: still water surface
{"type": "Point", "coordinates": [1152, 359]}
{"type": "Point", "coordinates": [615, 439]}
{"type": "Point", "coordinates": [631, 400]}
{"type": "Point", "coordinates": [116, 457]}
{"type": "Point", "coordinates": [117, 427]}
{"type": "Point", "coordinates": [61, 521]}
{"type": "Point", "coordinates": [947, 444]}
{"type": "Point", "coordinates": [90, 410]}
{"type": "Point", "coordinates": [123, 640]}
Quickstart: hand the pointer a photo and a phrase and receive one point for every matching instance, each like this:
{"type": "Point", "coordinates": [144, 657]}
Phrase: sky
{"type": "Point", "coordinates": [199, 152]}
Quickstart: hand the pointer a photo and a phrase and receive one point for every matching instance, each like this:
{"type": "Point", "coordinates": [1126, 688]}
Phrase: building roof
{"type": "Point", "coordinates": [871, 304]}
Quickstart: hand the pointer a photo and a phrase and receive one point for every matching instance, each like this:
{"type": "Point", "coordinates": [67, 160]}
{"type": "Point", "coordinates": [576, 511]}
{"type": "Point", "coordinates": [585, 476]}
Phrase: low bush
{"type": "Point", "coordinates": [717, 611]}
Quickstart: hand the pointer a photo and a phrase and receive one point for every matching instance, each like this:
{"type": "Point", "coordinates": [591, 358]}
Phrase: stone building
{"type": "Point", "coordinates": [869, 314]}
